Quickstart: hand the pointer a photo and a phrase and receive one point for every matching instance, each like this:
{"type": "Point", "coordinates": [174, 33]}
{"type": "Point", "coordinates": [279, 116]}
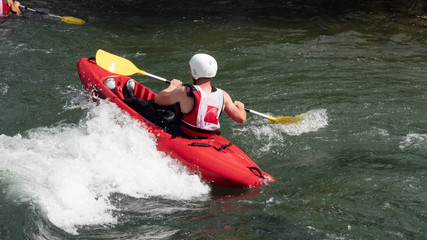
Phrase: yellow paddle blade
{"type": "Point", "coordinates": [72, 20]}
{"type": "Point", "coordinates": [116, 64]}
{"type": "Point", "coordinates": [286, 120]}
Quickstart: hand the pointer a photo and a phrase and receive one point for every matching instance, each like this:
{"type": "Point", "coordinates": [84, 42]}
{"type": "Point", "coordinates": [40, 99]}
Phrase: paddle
{"type": "Point", "coordinates": [66, 19]}
{"type": "Point", "coordinates": [283, 120]}
{"type": "Point", "coordinates": [122, 66]}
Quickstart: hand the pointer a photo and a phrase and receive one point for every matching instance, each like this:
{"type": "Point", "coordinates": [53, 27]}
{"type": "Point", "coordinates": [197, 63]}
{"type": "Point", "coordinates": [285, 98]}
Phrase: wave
{"type": "Point", "coordinates": [267, 136]}
{"type": "Point", "coordinates": [313, 121]}
{"type": "Point", "coordinates": [3, 88]}
{"type": "Point", "coordinates": [70, 170]}
{"type": "Point", "coordinates": [414, 141]}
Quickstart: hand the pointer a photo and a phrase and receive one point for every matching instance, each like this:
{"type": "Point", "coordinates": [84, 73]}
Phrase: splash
{"type": "Point", "coordinates": [71, 170]}
{"type": "Point", "coordinates": [414, 141]}
{"type": "Point", "coordinates": [268, 135]}
{"type": "Point", "coordinates": [3, 88]}
{"type": "Point", "coordinates": [313, 121]}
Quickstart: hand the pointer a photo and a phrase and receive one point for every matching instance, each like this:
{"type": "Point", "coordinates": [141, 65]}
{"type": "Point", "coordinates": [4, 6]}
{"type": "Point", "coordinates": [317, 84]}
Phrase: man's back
{"type": "Point", "coordinates": [202, 69]}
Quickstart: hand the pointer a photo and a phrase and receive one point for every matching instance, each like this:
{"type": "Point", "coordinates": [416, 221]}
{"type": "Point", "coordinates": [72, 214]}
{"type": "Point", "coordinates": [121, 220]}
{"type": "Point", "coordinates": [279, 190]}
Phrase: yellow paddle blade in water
{"type": "Point", "coordinates": [116, 64]}
{"type": "Point", "coordinates": [72, 20]}
{"type": "Point", "coordinates": [66, 19]}
{"type": "Point", "coordinates": [283, 120]}
{"type": "Point", "coordinates": [286, 120]}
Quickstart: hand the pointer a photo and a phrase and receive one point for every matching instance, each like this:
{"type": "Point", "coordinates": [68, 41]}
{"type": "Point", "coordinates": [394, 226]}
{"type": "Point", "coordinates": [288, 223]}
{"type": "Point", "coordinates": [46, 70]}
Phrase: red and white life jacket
{"type": "Point", "coordinates": [203, 119]}
{"type": "Point", "coordinates": [4, 8]}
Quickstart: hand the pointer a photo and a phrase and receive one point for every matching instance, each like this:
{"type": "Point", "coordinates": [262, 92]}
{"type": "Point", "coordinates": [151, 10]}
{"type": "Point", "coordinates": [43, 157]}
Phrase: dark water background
{"type": "Point", "coordinates": [355, 169]}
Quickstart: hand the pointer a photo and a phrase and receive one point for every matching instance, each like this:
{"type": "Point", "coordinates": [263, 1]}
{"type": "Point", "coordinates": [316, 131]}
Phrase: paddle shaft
{"type": "Point", "coordinates": [156, 77]}
{"type": "Point", "coordinates": [123, 66]}
{"type": "Point", "coordinates": [273, 119]}
{"type": "Point", "coordinates": [33, 10]}
{"type": "Point", "coordinates": [256, 113]}
{"type": "Point", "coordinates": [168, 82]}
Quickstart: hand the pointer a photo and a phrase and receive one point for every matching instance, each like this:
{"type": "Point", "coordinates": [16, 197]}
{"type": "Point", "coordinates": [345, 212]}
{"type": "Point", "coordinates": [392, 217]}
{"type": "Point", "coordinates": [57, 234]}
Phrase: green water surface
{"type": "Point", "coordinates": [361, 175]}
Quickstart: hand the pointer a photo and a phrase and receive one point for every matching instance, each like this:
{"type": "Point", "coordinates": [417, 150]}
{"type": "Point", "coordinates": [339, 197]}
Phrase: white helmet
{"type": "Point", "coordinates": [203, 66]}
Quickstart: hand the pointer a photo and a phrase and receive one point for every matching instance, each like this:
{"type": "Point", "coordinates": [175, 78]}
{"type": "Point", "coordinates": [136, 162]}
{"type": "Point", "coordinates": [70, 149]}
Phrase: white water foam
{"type": "Point", "coordinates": [71, 170]}
{"type": "Point", "coordinates": [414, 140]}
{"type": "Point", "coordinates": [313, 121]}
{"type": "Point", "coordinates": [3, 88]}
{"type": "Point", "coordinates": [272, 135]}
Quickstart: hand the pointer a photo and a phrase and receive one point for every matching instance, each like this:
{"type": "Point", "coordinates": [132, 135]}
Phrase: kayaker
{"type": "Point", "coordinates": [201, 103]}
{"type": "Point", "coordinates": [9, 6]}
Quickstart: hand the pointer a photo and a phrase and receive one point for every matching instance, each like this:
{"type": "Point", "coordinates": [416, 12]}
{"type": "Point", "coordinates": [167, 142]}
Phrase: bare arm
{"type": "Point", "coordinates": [173, 94]}
{"type": "Point", "coordinates": [236, 109]}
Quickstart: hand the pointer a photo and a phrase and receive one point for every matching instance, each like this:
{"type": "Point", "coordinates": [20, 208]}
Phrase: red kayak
{"type": "Point", "coordinates": [215, 159]}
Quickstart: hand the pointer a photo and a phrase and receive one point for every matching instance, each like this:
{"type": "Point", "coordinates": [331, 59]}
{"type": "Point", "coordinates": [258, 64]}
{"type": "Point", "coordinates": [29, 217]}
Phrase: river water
{"type": "Point", "coordinates": [355, 168]}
